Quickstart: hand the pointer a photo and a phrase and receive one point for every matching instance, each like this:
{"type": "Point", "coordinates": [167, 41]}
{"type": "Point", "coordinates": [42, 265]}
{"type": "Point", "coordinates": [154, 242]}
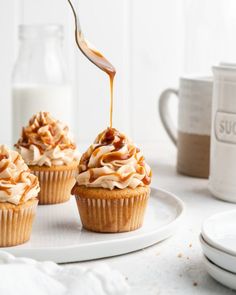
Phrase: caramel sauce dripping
{"type": "Point", "coordinates": [30, 135]}
{"type": "Point", "coordinates": [2, 157]}
{"type": "Point", "coordinates": [108, 137]}
{"type": "Point", "coordinates": [94, 56]}
{"type": "Point", "coordinates": [4, 167]}
{"type": "Point", "coordinates": [28, 188]}
{"type": "Point", "coordinates": [111, 77]}
{"type": "Point", "coordinates": [147, 179]}
{"type": "Point", "coordinates": [5, 189]}
{"type": "Point", "coordinates": [101, 62]}
{"type": "Point", "coordinates": [112, 136]}
{"type": "Point", "coordinates": [11, 181]}
{"type": "Point", "coordinates": [17, 159]}
{"type": "Point", "coordinates": [92, 178]}
{"type": "Point", "coordinates": [116, 156]}
{"type": "Point", "coordinates": [96, 151]}
{"type": "Point", "coordinates": [104, 139]}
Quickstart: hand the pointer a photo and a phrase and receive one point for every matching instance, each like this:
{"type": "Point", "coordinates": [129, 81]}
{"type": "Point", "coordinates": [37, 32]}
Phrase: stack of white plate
{"type": "Point", "coordinates": [218, 241]}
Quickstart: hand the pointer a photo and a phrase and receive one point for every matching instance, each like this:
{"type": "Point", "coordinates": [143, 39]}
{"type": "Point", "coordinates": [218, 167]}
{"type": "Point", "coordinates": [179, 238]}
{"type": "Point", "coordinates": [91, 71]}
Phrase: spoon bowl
{"type": "Point", "coordinates": [88, 49]}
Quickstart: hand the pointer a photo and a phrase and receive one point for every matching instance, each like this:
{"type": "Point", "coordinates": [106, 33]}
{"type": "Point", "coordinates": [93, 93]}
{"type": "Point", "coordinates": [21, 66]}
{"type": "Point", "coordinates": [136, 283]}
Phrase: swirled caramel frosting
{"type": "Point", "coordinates": [113, 161]}
{"type": "Point", "coordinates": [17, 184]}
{"type": "Point", "coordinates": [46, 141]}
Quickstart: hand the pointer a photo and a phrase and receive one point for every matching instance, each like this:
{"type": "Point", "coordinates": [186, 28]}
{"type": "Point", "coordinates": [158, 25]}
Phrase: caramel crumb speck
{"type": "Point", "coordinates": [190, 245]}
{"type": "Point", "coordinates": [180, 255]}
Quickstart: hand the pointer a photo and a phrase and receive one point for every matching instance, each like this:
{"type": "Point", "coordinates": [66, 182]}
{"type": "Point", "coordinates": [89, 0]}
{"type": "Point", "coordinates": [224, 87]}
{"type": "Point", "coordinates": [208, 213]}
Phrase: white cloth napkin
{"type": "Point", "coordinates": [24, 276]}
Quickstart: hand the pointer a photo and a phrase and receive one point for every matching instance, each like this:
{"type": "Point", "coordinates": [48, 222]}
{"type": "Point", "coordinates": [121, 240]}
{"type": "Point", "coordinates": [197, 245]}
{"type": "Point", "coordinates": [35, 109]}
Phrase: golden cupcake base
{"type": "Point", "coordinates": [55, 182]}
{"type": "Point", "coordinates": [111, 211]}
{"type": "Point", "coordinates": [16, 222]}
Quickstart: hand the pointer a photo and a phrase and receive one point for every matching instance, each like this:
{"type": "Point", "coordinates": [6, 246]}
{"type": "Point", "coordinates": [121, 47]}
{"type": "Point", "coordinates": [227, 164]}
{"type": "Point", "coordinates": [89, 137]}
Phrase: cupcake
{"type": "Point", "coordinates": [112, 187]}
{"type": "Point", "coordinates": [18, 191]}
{"type": "Point", "coordinates": [49, 151]}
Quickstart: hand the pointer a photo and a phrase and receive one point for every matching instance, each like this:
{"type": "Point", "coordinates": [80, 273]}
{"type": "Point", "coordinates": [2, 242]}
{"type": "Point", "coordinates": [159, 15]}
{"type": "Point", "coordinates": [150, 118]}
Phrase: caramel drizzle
{"type": "Point", "coordinates": [120, 178]}
{"type": "Point", "coordinates": [146, 180]}
{"type": "Point", "coordinates": [99, 60]}
{"type": "Point", "coordinates": [10, 181]}
{"type": "Point", "coordinates": [111, 78]}
{"type": "Point", "coordinates": [4, 167]}
{"type": "Point", "coordinates": [28, 188]}
{"type": "Point", "coordinates": [2, 157]}
{"type": "Point", "coordinates": [112, 137]}
{"type": "Point", "coordinates": [103, 139]}
{"type": "Point", "coordinates": [115, 156]}
{"type": "Point", "coordinates": [17, 159]}
{"type": "Point", "coordinates": [6, 190]}
{"type": "Point", "coordinates": [30, 135]}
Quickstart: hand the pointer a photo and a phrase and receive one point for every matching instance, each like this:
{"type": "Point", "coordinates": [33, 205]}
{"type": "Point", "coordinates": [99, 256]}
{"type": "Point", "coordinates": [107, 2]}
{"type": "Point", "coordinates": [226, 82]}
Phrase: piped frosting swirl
{"type": "Point", "coordinates": [46, 141]}
{"type": "Point", "coordinates": [17, 184]}
{"type": "Point", "coordinates": [113, 161]}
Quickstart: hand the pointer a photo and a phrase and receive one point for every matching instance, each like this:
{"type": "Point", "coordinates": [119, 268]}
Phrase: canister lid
{"type": "Point", "coordinates": [225, 71]}
{"type": "Point", "coordinates": [225, 66]}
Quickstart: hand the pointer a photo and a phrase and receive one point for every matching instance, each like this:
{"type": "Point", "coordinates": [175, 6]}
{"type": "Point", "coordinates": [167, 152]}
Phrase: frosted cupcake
{"type": "Point", "coordinates": [18, 191]}
{"type": "Point", "coordinates": [48, 149]}
{"type": "Point", "coordinates": [112, 186]}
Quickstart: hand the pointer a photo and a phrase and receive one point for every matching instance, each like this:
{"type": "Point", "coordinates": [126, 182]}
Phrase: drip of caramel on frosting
{"type": "Point", "coordinates": [51, 137]}
{"type": "Point", "coordinates": [17, 172]}
{"type": "Point", "coordinates": [103, 161]}
{"type": "Point", "coordinates": [110, 136]}
{"type": "Point", "coordinates": [46, 141]}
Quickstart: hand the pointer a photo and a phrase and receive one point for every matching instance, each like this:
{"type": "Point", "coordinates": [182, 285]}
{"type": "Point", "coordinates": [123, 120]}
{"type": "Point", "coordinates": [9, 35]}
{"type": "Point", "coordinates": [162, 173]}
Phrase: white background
{"type": "Point", "coordinates": [151, 43]}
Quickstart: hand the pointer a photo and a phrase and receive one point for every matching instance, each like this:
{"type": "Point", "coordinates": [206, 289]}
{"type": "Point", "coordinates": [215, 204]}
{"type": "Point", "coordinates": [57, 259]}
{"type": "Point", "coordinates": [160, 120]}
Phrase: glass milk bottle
{"type": "Point", "coordinates": [39, 81]}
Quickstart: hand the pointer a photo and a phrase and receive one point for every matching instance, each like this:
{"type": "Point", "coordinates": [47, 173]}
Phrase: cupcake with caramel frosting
{"type": "Point", "coordinates": [18, 198]}
{"type": "Point", "coordinates": [48, 149]}
{"type": "Point", "coordinates": [112, 186]}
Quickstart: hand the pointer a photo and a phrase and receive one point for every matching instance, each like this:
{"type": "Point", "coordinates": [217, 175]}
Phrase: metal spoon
{"type": "Point", "coordinates": [87, 49]}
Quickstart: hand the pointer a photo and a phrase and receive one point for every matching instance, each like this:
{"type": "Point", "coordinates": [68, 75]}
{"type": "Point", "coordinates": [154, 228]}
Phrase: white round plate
{"type": "Point", "coordinates": [219, 231]}
{"type": "Point", "coordinates": [222, 259]}
{"type": "Point", "coordinates": [224, 277]}
{"type": "Point", "coordinates": [58, 234]}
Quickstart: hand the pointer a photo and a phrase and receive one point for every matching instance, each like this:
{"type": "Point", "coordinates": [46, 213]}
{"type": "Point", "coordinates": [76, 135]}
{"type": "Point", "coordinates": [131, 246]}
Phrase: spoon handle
{"type": "Point", "coordinates": [76, 17]}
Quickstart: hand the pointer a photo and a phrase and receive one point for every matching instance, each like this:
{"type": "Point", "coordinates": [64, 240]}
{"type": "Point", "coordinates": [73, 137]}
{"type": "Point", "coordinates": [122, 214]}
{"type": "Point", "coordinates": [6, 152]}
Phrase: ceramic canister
{"type": "Point", "coordinates": [222, 181]}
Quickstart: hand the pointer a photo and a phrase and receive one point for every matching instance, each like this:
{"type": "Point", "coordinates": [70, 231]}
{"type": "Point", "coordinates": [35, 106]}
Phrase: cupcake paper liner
{"type": "Point", "coordinates": [16, 223]}
{"type": "Point", "coordinates": [55, 185]}
{"type": "Point", "coordinates": [112, 215]}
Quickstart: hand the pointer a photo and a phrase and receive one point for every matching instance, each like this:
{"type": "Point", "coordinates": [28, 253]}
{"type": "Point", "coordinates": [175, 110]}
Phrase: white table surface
{"type": "Point", "coordinates": [173, 266]}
